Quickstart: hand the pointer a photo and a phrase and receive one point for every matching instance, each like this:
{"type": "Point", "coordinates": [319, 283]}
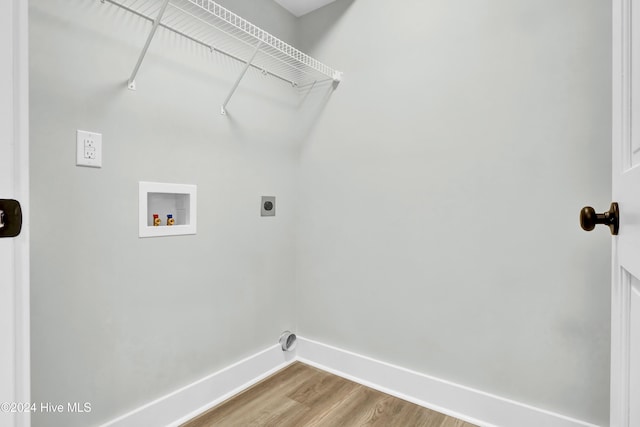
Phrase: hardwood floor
{"type": "Point", "coordinates": [301, 395]}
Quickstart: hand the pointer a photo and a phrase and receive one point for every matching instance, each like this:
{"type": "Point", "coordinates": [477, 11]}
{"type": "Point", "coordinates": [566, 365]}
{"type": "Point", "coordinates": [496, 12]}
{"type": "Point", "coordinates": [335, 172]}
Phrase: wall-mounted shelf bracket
{"type": "Point", "coordinates": [223, 109]}
{"type": "Point", "coordinates": [337, 77]}
{"type": "Point", "coordinates": [131, 84]}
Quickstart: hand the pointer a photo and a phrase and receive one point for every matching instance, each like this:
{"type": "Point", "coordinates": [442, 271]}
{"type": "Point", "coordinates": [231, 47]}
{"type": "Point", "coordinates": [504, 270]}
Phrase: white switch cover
{"type": "Point", "coordinates": [88, 149]}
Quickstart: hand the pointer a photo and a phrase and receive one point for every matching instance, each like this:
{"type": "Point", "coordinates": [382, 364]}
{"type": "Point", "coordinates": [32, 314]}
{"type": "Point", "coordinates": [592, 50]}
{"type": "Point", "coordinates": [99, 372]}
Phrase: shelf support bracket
{"type": "Point", "coordinates": [131, 84]}
{"type": "Point", "coordinates": [223, 109]}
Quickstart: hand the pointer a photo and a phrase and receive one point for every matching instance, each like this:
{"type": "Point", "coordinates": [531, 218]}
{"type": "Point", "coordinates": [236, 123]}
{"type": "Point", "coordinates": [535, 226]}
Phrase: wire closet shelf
{"type": "Point", "coordinates": [207, 23]}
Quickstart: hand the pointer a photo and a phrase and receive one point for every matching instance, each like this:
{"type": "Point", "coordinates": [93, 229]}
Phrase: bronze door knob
{"type": "Point", "coordinates": [589, 218]}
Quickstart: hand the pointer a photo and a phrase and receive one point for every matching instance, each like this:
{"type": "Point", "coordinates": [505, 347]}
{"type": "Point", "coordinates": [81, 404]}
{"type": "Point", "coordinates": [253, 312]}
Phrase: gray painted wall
{"type": "Point", "coordinates": [440, 190]}
{"type": "Point", "coordinates": [427, 209]}
{"type": "Point", "coordinates": [119, 321]}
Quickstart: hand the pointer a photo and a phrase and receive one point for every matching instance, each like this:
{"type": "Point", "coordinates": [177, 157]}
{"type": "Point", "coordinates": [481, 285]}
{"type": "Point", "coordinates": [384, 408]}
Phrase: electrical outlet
{"type": "Point", "coordinates": [88, 149]}
{"type": "Point", "coordinates": [268, 206]}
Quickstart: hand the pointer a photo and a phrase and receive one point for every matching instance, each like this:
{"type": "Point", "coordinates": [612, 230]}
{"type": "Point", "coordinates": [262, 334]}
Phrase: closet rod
{"type": "Point", "coordinates": [200, 42]}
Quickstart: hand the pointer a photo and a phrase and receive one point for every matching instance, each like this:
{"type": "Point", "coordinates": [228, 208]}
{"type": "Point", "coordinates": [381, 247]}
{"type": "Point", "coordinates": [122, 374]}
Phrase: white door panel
{"type": "Point", "coordinates": [634, 353]}
{"type": "Point", "coordinates": [7, 279]}
{"type": "Point", "coordinates": [14, 252]}
{"type": "Point", "coordinates": [629, 202]}
{"type": "Point", "coordinates": [635, 94]}
{"type": "Point", "coordinates": [625, 286]}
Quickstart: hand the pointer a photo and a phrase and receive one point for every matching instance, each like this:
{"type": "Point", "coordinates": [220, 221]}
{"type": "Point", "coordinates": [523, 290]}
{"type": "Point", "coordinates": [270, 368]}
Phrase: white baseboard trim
{"type": "Point", "coordinates": [474, 406]}
{"type": "Point", "coordinates": [467, 404]}
{"type": "Point", "coordinates": [185, 403]}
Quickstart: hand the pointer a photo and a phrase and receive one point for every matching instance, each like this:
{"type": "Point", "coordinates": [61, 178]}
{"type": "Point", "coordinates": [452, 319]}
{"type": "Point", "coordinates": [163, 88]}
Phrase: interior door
{"type": "Point", "coordinates": [14, 255]}
{"type": "Point", "coordinates": [7, 250]}
{"type": "Point", "coordinates": [625, 290]}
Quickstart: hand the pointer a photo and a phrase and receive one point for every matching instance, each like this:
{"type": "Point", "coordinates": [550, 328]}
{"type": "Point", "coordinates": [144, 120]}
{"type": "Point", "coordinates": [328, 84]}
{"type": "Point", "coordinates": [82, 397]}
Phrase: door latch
{"type": "Point", "coordinates": [10, 218]}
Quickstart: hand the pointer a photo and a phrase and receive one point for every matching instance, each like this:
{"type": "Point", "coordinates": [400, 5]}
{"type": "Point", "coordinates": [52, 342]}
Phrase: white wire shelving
{"type": "Point", "coordinates": [207, 23]}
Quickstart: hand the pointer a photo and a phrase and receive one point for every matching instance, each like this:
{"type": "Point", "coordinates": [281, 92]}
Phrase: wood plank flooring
{"type": "Point", "coordinates": [301, 395]}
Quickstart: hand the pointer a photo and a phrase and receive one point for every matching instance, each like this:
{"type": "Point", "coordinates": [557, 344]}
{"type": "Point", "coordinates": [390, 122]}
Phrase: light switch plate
{"type": "Point", "coordinates": [88, 149]}
{"type": "Point", "coordinates": [268, 206]}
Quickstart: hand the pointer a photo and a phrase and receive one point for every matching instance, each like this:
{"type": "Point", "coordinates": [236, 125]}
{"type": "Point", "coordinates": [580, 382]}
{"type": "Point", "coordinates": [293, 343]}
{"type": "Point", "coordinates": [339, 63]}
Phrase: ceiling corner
{"type": "Point", "coordinates": [302, 7]}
